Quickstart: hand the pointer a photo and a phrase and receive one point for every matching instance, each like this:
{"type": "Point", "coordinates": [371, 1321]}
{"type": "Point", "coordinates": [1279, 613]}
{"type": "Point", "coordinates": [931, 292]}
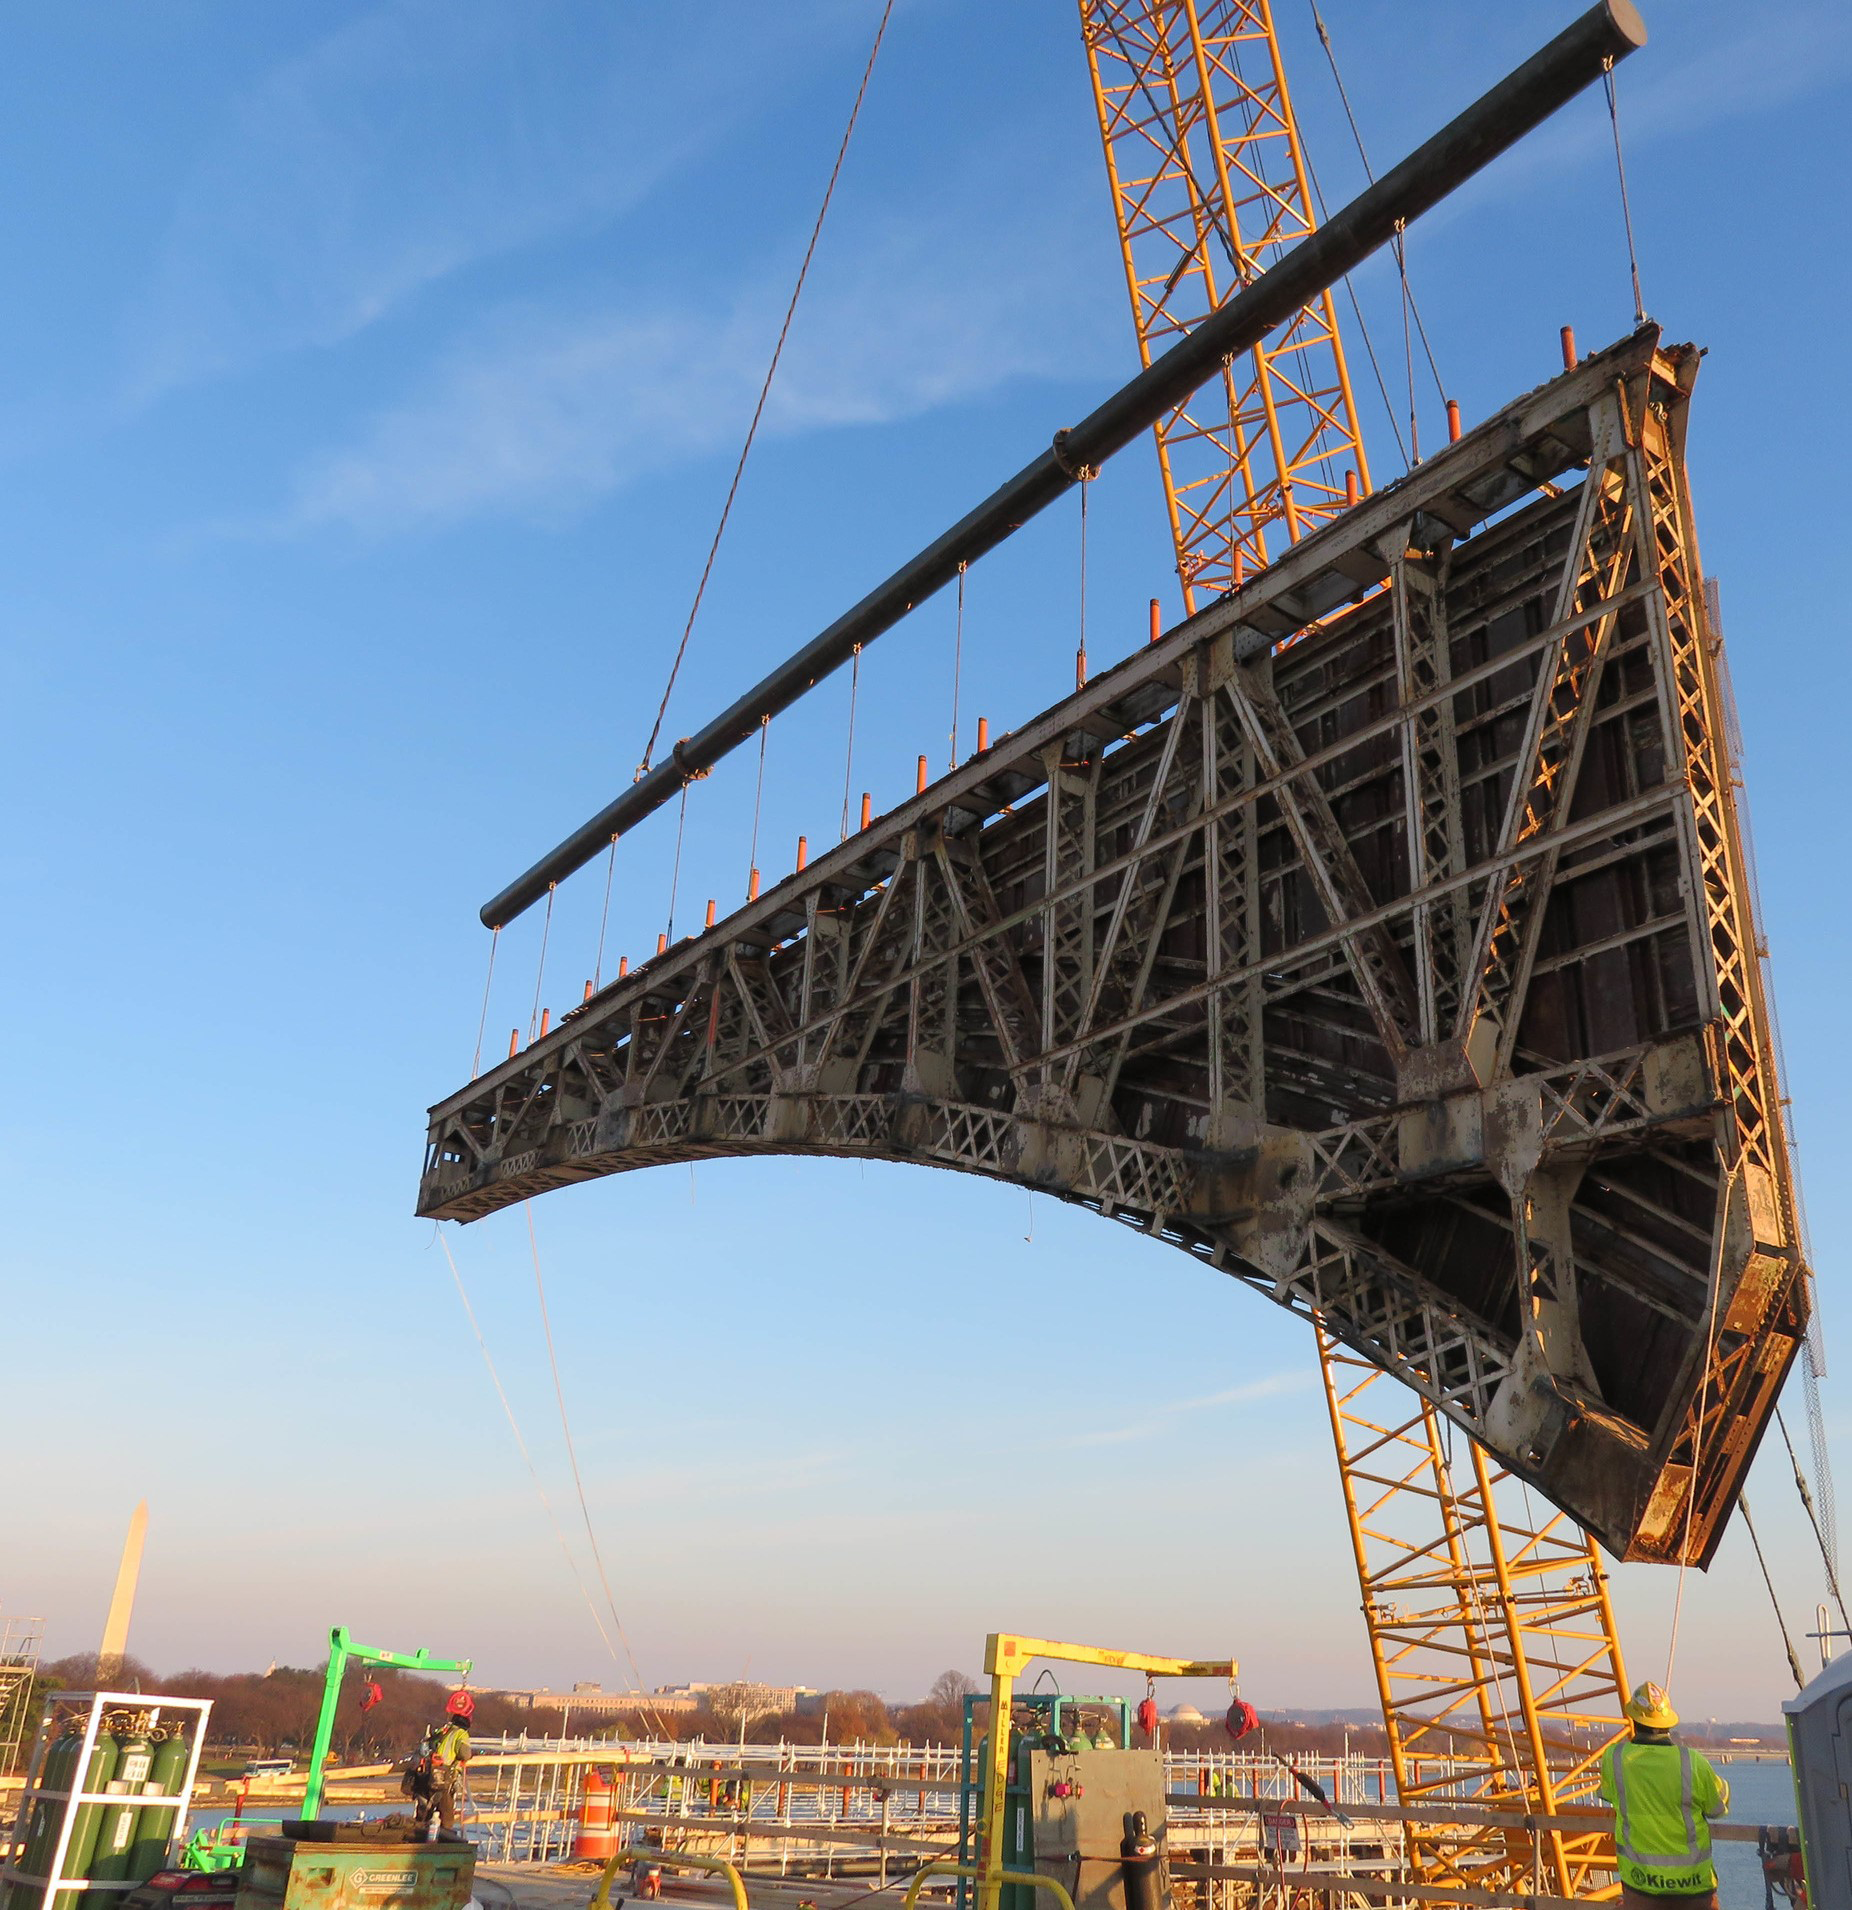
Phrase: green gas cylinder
{"type": "Point", "coordinates": [86, 1821]}
{"type": "Point", "coordinates": [154, 1828]}
{"type": "Point", "coordinates": [48, 1813]}
{"type": "Point", "coordinates": [115, 1834]}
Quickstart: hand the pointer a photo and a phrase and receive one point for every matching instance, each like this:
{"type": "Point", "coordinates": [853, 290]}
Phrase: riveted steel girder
{"type": "Point", "coordinates": [1396, 959]}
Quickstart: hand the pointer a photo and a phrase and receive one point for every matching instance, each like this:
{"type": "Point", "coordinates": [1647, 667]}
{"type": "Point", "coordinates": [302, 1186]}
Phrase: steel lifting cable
{"type": "Point", "coordinates": [540, 973]}
{"type": "Point", "coordinates": [1620, 168]}
{"type": "Point", "coordinates": [604, 914]}
{"type": "Point", "coordinates": [572, 1454]}
{"type": "Point", "coordinates": [758, 798]}
{"type": "Point", "coordinates": [1080, 651]}
{"type": "Point", "coordinates": [1408, 343]}
{"type": "Point", "coordinates": [958, 657]}
{"type": "Point", "coordinates": [1813, 1519]}
{"type": "Point", "coordinates": [758, 410]}
{"type": "Point", "coordinates": [675, 874]}
{"type": "Point", "coordinates": [482, 1021]}
{"type": "Point", "coordinates": [848, 757]}
{"type": "Point", "coordinates": [1781, 1624]}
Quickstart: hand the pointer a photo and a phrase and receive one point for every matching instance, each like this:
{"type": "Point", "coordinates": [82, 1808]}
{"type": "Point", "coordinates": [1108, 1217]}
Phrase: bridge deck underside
{"type": "Point", "coordinates": [1394, 958]}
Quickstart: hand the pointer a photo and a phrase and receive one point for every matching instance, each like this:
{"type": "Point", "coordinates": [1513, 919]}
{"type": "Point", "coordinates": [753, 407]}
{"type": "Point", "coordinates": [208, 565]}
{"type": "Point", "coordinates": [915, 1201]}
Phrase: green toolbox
{"type": "Point", "coordinates": [289, 1873]}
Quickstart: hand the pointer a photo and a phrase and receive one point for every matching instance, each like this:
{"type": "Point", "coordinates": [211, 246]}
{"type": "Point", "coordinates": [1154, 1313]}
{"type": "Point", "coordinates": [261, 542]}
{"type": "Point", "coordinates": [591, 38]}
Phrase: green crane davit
{"type": "Point", "coordinates": [342, 1651]}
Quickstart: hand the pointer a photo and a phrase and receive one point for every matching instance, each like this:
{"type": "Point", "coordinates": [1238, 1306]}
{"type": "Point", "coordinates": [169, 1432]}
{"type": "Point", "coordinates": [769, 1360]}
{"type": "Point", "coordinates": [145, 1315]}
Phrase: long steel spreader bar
{"type": "Point", "coordinates": [1575, 59]}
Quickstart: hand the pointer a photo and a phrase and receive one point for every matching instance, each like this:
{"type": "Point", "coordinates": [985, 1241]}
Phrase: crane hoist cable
{"type": "Point", "coordinates": [765, 389]}
{"type": "Point", "coordinates": [1369, 172]}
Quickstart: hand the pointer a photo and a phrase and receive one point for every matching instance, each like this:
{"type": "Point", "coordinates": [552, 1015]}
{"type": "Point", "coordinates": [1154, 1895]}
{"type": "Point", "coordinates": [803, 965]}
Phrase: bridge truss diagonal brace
{"type": "Point", "coordinates": [1375, 960]}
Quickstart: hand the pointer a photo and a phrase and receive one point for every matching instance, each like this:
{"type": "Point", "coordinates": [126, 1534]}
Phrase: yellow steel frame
{"type": "Point", "coordinates": [1492, 1637]}
{"type": "Point", "coordinates": [1209, 183]}
{"type": "Point", "coordinates": [1006, 1656]}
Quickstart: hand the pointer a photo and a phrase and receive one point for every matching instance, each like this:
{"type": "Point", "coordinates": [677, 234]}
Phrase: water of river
{"type": "Point", "coordinates": [1759, 1794]}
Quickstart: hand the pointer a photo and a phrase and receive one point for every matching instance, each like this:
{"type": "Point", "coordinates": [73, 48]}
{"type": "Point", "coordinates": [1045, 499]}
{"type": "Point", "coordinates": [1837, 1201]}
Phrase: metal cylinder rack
{"type": "Point", "coordinates": [107, 1794]}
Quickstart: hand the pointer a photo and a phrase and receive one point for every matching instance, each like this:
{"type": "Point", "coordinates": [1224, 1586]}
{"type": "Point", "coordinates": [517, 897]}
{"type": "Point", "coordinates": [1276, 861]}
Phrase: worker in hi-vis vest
{"type": "Point", "coordinates": [439, 1771]}
{"type": "Point", "coordinates": [1662, 1794]}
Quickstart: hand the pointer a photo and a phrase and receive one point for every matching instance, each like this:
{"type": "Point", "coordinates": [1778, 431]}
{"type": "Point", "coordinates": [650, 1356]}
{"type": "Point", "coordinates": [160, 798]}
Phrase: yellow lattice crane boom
{"type": "Point", "coordinates": [1490, 1628]}
{"type": "Point", "coordinates": [1210, 185]}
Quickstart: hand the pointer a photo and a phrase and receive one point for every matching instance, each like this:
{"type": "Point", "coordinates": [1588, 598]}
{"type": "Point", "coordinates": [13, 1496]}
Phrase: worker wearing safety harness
{"type": "Point", "coordinates": [1662, 1794]}
{"type": "Point", "coordinates": [440, 1769]}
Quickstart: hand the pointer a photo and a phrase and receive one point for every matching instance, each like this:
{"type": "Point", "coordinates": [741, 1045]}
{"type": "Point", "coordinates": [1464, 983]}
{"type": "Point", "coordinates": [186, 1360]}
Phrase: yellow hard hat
{"type": "Point", "coordinates": [1650, 1706]}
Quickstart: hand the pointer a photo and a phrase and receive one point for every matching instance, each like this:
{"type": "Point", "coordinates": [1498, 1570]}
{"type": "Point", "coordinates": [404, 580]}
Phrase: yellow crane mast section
{"type": "Point", "coordinates": [1209, 184]}
{"type": "Point", "coordinates": [1491, 1635]}
{"type": "Point", "coordinates": [1492, 1639]}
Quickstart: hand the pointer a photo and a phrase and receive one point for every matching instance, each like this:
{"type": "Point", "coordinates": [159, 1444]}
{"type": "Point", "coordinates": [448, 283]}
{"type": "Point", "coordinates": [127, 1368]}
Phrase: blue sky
{"type": "Point", "coordinates": [369, 383]}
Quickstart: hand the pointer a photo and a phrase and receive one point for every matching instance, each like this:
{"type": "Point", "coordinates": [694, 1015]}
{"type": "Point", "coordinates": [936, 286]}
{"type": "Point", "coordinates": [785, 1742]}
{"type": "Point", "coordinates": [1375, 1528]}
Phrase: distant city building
{"type": "Point", "coordinates": [587, 1700]}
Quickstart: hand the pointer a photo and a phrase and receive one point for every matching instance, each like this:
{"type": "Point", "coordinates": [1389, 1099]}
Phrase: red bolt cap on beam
{"type": "Point", "coordinates": [662, 941]}
{"type": "Point", "coordinates": [1157, 626]}
{"type": "Point", "coordinates": [752, 886]}
{"type": "Point", "coordinates": [514, 1042]}
{"type": "Point", "coordinates": [1453, 421]}
{"type": "Point", "coordinates": [623, 966]}
{"type": "Point", "coordinates": [1350, 490]}
{"type": "Point", "coordinates": [983, 734]}
{"type": "Point", "coordinates": [710, 911]}
{"type": "Point", "coordinates": [803, 852]}
{"type": "Point", "coordinates": [1569, 359]}
{"type": "Point", "coordinates": [868, 808]}
{"type": "Point", "coordinates": [546, 1015]}
{"type": "Point", "coordinates": [920, 785]}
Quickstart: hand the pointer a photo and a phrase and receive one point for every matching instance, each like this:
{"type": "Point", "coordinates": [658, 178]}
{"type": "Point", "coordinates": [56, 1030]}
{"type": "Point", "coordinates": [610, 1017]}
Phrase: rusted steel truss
{"type": "Point", "coordinates": [1405, 972]}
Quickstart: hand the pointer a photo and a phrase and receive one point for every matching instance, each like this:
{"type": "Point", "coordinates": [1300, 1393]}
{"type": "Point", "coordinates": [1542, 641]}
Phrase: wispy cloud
{"type": "Point", "coordinates": [1164, 1417]}
{"type": "Point", "coordinates": [429, 135]}
{"type": "Point", "coordinates": [1677, 87]}
{"type": "Point", "coordinates": [538, 413]}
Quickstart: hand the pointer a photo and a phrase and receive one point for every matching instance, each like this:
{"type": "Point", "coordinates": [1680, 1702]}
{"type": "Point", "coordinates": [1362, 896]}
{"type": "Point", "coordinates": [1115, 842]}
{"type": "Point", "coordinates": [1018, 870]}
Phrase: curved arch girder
{"type": "Point", "coordinates": [1404, 972]}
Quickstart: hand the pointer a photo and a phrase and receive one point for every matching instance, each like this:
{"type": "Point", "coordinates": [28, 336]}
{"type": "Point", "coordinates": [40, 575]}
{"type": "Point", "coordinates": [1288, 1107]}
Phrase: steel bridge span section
{"type": "Point", "coordinates": [1381, 935]}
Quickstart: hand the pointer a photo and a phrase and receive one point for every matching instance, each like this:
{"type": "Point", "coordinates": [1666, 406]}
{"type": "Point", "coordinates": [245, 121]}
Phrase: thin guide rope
{"type": "Point", "coordinates": [527, 1458]}
{"type": "Point", "coordinates": [565, 1423]}
{"type": "Point", "coordinates": [758, 410]}
{"type": "Point", "coordinates": [482, 1020]}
